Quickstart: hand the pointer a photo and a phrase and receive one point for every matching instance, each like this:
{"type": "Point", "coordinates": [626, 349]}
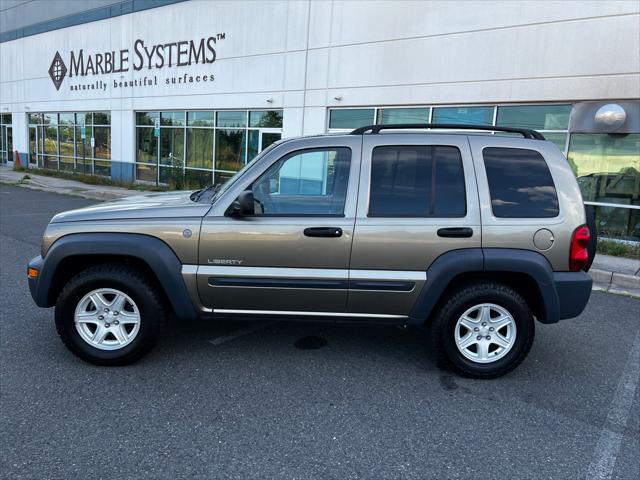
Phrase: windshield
{"type": "Point", "coordinates": [226, 185]}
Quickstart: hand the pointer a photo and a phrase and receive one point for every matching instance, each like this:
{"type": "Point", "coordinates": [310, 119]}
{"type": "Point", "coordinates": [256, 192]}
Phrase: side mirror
{"type": "Point", "coordinates": [243, 205]}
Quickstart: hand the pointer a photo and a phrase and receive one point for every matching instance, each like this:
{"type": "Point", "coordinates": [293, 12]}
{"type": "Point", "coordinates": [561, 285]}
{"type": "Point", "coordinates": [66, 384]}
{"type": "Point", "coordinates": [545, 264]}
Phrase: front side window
{"type": "Point", "coordinates": [417, 181]}
{"type": "Point", "coordinates": [520, 183]}
{"type": "Point", "coordinates": [307, 182]}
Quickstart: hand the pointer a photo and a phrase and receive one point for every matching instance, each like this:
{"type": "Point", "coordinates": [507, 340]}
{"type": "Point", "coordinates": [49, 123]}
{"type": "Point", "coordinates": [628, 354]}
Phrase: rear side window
{"type": "Point", "coordinates": [417, 181]}
{"type": "Point", "coordinates": [520, 183]}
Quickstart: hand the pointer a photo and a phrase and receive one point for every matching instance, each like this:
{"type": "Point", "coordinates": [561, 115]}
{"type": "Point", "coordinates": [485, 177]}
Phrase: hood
{"type": "Point", "coordinates": [154, 205]}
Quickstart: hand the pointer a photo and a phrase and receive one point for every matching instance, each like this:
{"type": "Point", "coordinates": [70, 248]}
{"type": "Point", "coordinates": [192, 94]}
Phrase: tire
{"type": "Point", "coordinates": [590, 212]}
{"type": "Point", "coordinates": [122, 341]}
{"type": "Point", "coordinates": [496, 299]}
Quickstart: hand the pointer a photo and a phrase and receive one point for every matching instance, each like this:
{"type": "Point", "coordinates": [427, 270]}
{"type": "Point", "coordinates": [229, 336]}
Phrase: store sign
{"type": "Point", "coordinates": [84, 65]}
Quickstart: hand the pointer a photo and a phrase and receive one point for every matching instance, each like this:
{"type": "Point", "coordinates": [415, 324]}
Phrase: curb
{"type": "Point", "coordinates": [78, 192]}
{"type": "Point", "coordinates": [613, 282]}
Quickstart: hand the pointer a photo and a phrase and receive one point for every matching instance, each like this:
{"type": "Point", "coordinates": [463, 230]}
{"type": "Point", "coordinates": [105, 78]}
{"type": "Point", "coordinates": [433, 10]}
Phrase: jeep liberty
{"type": "Point", "coordinates": [473, 232]}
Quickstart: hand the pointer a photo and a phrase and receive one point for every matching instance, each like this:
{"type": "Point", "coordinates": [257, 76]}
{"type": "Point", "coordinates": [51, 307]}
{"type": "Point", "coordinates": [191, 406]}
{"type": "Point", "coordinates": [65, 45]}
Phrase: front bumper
{"type": "Point", "coordinates": [36, 264]}
{"type": "Point", "coordinates": [573, 290]}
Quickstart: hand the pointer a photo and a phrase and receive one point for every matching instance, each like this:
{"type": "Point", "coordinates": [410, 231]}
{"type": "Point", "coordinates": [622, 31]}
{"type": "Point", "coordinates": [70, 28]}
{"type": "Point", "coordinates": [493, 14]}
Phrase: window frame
{"type": "Point", "coordinates": [292, 154]}
{"type": "Point", "coordinates": [370, 189]}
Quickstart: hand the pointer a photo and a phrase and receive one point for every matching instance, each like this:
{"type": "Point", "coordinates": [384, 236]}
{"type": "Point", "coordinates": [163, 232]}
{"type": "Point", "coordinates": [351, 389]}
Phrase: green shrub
{"type": "Point", "coordinates": [619, 249]}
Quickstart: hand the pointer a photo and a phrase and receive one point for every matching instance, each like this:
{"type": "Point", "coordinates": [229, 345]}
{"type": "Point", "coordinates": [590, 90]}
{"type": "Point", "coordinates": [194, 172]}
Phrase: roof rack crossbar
{"type": "Point", "coordinates": [375, 129]}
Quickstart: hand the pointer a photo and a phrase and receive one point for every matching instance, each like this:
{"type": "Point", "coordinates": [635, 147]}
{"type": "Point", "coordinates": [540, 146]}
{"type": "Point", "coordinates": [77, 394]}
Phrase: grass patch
{"type": "Point", "coordinates": [619, 249]}
{"type": "Point", "coordinates": [93, 179]}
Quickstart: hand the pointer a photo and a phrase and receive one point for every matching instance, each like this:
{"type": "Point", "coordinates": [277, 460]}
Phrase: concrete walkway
{"type": "Point", "coordinates": [611, 274]}
{"type": "Point", "coordinates": [63, 186]}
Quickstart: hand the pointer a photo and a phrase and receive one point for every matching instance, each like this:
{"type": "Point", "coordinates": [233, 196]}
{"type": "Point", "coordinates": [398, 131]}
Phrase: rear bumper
{"type": "Point", "coordinates": [573, 290]}
{"type": "Point", "coordinates": [37, 264]}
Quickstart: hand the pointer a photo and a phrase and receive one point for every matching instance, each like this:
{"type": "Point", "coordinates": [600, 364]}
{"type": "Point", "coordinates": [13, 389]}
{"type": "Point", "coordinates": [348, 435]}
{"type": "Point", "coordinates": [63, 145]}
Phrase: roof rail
{"type": "Point", "coordinates": [375, 129]}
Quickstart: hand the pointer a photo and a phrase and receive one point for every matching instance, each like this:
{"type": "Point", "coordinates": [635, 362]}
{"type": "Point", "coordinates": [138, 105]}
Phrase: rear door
{"type": "Point", "coordinates": [417, 200]}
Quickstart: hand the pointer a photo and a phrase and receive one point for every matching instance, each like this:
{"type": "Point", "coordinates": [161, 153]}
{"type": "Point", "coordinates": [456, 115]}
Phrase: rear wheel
{"type": "Point", "coordinates": [484, 330]}
{"type": "Point", "coordinates": [109, 315]}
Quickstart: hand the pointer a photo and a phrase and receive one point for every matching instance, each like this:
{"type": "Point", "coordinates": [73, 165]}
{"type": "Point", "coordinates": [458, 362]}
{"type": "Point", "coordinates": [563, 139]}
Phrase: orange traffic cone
{"type": "Point", "coordinates": [17, 160]}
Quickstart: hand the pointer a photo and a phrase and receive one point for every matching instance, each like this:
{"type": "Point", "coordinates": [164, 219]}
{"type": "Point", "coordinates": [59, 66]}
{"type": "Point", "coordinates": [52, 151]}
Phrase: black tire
{"type": "Point", "coordinates": [444, 324]}
{"type": "Point", "coordinates": [129, 281]}
{"type": "Point", "coordinates": [590, 212]}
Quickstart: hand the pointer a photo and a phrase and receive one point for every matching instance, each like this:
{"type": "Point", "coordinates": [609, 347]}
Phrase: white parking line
{"type": "Point", "coordinates": [606, 451]}
{"type": "Point", "coordinates": [239, 333]}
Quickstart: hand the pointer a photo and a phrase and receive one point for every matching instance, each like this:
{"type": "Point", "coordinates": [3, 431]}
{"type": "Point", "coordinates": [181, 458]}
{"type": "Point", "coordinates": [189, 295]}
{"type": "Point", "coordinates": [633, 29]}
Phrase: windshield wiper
{"type": "Point", "coordinates": [214, 188]}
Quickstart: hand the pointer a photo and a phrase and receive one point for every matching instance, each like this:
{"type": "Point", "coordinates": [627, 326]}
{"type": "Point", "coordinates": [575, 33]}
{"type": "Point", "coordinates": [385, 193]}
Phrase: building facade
{"type": "Point", "coordinates": [119, 89]}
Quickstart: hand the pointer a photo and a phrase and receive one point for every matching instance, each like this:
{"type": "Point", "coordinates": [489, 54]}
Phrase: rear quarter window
{"type": "Point", "coordinates": [520, 183]}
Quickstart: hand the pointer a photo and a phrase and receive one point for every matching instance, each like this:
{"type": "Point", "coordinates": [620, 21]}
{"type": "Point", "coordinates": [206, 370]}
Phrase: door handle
{"type": "Point", "coordinates": [455, 232]}
{"type": "Point", "coordinates": [323, 232]}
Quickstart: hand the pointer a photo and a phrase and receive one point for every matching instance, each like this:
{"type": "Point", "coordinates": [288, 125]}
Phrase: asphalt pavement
{"type": "Point", "coordinates": [312, 400]}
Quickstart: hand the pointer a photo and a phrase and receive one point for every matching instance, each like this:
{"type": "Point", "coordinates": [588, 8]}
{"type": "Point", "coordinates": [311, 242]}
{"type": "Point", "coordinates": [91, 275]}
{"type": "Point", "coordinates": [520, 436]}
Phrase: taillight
{"type": "Point", "coordinates": [579, 255]}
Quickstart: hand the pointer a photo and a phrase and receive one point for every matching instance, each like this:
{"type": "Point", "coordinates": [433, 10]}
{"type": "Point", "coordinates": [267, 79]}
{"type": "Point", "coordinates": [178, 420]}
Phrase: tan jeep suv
{"type": "Point", "coordinates": [472, 233]}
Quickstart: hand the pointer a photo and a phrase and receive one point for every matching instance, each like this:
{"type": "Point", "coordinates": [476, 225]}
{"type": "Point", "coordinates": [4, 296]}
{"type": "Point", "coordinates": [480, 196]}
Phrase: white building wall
{"type": "Point", "coordinates": [306, 56]}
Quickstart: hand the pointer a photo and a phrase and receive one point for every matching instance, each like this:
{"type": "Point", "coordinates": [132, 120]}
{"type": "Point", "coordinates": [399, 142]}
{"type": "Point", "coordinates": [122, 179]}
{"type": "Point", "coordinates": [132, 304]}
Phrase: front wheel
{"type": "Point", "coordinates": [109, 315]}
{"type": "Point", "coordinates": [484, 330]}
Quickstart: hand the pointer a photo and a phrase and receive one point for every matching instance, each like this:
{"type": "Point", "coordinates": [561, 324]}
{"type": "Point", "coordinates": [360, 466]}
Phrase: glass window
{"type": "Point", "coordinates": [309, 182]}
{"type": "Point", "coordinates": [540, 117]}
{"type": "Point", "coordinates": [35, 118]}
{"type": "Point", "coordinates": [146, 173]}
{"type": "Point", "coordinates": [199, 148]}
{"type": "Point", "coordinates": [147, 146]}
{"type": "Point", "coordinates": [51, 140]}
{"type": "Point", "coordinates": [197, 178]}
{"type": "Point", "coordinates": [66, 141]}
{"type": "Point", "coordinates": [102, 138]}
{"type": "Point", "coordinates": [232, 119]}
{"type": "Point", "coordinates": [84, 117]}
{"type": "Point", "coordinates": [32, 145]}
{"type": "Point", "coordinates": [266, 119]}
{"type": "Point", "coordinates": [200, 119]}
{"type": "Point", "coordinates": [172, 119]}
{"type": "Point", "coordinates": [520, 183]}
{"type": "Point", "coordinates": [50, 118]}
{"type": "Point", "coordinates": [350, 118]}
{"type": "Point", "coordinates": [560, 139]}
{"type": "Point", "coordinates": [230, 149]}
{"type": "Point", "coordinates": [622, 223]}
{"type": "Point", "coordinates": [463, 115]}
{"type": "Point", "coordinates": [101, 118]}
{"type": "Point", "coordinates": [172, 146]}
{"type": "Point", "coordinates": [417, 181]}
{"type": "Point", "coordinates": [146, 118]}
{"type": "Point", "coordinates": [607, 166]}
{"type": "Point", "coordinates": [388, 116]}
{"type": "Point", "coordinates": [67, 118]}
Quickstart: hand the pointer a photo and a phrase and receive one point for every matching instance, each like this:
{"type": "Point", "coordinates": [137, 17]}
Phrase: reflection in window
{"type": "Point", "coordinates": [463, 115]}
{"type": "Point", "coordinates": [200, 148]}
{"type": "Point", "coordinates": [310, 182]}
{"type": "Point", "coordinates": [539, 117]}
{"type": "Point", "coordinates": [607, 167]}
{"type": "Point", "coordinates": [55, 141]}
{"type": "Point", "coordinates": [520, 183]}
{"type": "Point", "coordinates": [350, 118]}
{"type": "Point", "coordinates": [266, 119]}
{"type": "Point", "coordinates": [210, 140]}
{"type": "Point", "coordinates": [417, 181]}
{"type": "Point", "coordinates": [230, 149]}
{"type": "Point", "coordinates": [172, 146]}
{"type": "Point", "coordinates": [389, 116]}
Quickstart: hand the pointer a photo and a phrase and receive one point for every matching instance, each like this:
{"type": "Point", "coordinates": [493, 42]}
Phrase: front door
{"type": "Point", "coordinates": [293, 254]}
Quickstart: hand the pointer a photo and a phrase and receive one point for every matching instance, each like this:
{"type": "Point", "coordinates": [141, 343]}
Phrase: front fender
{"type": "Point", "coordinates": [154, 252]}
